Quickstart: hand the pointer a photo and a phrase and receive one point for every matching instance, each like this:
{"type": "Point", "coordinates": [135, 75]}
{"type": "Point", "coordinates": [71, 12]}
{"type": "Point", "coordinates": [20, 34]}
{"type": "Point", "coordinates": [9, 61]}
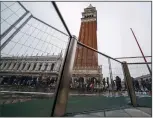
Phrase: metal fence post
{"type": "Point", "coordinates": [129, 84]}
{"type": "Point", "coordinates": [59, 107]}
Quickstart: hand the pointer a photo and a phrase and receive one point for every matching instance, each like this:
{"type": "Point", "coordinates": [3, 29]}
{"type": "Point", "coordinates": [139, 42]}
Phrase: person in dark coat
{"type": "Point", "coordinates": [148, 85]}
{"type": "Point", "coordinates": [143, 83]}
{"type": "Point", "coordinates": [107, 82]}
{"type": "Point", "coordinates": [118, 83]}
{"type": "Point", "coordinates": [104, 83]}
{"type": "Point", "coordinates": [137, 85]}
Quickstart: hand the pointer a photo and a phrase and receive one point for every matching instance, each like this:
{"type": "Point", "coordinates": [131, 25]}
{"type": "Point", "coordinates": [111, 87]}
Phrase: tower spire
{"type": "Point", "coordinates": [90, 6]}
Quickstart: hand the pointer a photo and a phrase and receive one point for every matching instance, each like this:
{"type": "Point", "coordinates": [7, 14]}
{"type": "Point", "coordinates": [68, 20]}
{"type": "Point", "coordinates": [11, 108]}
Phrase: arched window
{"type": "Point", "coordinates": [52, 66]}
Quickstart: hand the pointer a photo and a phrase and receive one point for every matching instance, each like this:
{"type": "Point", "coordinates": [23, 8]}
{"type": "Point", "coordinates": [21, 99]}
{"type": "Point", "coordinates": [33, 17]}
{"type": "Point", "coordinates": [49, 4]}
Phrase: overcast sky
{"type": "Point", "coordinates": [114, 20]}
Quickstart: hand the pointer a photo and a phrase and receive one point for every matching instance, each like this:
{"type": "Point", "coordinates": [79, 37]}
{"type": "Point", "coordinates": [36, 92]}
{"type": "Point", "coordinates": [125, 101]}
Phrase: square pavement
{"type": "Point", "coordinates": [128, 112]}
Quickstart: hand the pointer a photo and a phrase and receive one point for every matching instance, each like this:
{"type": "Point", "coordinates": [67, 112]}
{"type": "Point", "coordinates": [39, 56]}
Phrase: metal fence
{"type": "Point", "coordinates": [47, 72]}
{"type": "Point", "coordinates": [32, 56]}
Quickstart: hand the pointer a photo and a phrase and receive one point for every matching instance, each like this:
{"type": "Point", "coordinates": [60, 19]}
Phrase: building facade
{"type": "Point", "coordinates": [33, 67]}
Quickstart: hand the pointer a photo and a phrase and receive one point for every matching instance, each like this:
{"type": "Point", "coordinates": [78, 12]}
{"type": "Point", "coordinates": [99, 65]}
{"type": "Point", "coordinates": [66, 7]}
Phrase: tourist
{"type": "Point", "coordinates": [143, 84]}
{"type": "Point", "coordinates": [104, 83]}
{"type": "Point", "coordinates": [137, 85]}
{"type": "Point", "coordinates": [118, 84]}
{"type": "Point", "coordinates": [107, 82]}
{"type": "Point", "coordinates": [148, 85]}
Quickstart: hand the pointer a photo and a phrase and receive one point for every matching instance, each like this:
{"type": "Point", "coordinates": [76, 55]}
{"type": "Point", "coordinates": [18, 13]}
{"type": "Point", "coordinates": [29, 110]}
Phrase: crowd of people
{"type": "Point", "coordinates": [92, 85]}
{"type": "Point", "coordinates": [28, 81]}
{"type": "Point", "coordinates": [95, 85]}
{"type": "Point", "coordinates": [143, 85]}
{"type": "Point", "coordinates": [116, 85]}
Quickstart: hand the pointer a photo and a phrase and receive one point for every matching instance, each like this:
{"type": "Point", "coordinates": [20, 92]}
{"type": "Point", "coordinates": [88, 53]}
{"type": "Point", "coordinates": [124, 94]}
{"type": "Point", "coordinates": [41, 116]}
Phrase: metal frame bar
{"type": "Point", "coordinates": [42, 21]}
{"type": "Point", "coordinates": [22, 6]}
{"type": "Point", "coordinates": [60, 16]}
{"type": "Point", "coordinates": [132, 57]}
{"type": "Point", "coordinates": [49, 25]}
{"type": "Point", "coordinates": [97, 51]}
{"type": "Point", "coordinates": [13, 25]}
{"type": "Point", "coordinates": [17, 30]}
{"type": "Point", "coordinates": [141, 63]}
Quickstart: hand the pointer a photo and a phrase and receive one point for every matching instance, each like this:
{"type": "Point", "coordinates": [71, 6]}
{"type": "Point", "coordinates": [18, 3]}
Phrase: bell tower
{"type": "Point", "coordinates": [88, 35]}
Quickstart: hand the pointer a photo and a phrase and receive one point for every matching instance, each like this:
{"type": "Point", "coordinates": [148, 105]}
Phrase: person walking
{"type": "Point", "coordinates": [118, 84]}
{"type": "Point", "coordinates": [104, 83]}
{"type": "Point", "coordinates": [148, 85]}
{"type": "Point", "coordinates": [107, 82]}
{"type": "Point", "coordinates": [143, 84]}
{"type": "Point", "coordinates": [137, 86]}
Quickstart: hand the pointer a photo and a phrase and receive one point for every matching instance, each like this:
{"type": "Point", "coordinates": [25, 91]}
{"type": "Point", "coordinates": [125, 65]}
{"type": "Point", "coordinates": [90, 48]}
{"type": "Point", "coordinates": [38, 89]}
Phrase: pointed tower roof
{"type": "Point", "coordinates": [90, 6]}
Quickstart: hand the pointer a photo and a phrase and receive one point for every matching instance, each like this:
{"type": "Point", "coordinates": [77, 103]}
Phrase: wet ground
{"type": "Point", "coordinates": [77, 104]}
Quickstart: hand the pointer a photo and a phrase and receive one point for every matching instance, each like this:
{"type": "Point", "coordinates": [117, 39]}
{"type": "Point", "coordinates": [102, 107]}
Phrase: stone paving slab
{"type": "Point", "coordinates": [116, 113]}
{"type": "Point", "coordinates": [128, 112]}
{"type": "Point", "coordinates": [145, 109]}
{"type": "Point", "coordinates": [136, 113]}
{"type": "Point", "coordinates": [97, 114]}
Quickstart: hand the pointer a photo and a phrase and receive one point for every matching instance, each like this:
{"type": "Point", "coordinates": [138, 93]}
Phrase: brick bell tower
{"type": "Point", "coordinates": [86, 58]}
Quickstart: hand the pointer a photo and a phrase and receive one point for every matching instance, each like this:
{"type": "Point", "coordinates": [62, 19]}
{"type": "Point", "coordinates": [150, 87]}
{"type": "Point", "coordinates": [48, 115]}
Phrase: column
{"type": "Point", "coordinates": [7, 65]}
{"type": "Point", "coordinates": [49, 67]}
{"type": "Point", "coordinates": [32, 66]}
{"type": "Point", "coordinates": [43, 66]}
{"type": "Point", "coordinates": [21, 66]}
{"type": "Point", "coordinates": [2, 66]}
{"type": "Point", "coordinates": [12, 65]}
{"type": "Point", "coordinates": [56, 66]}
{"type": "Point", "coordinates": [16, 66]}
{"type": "Point", "coordinates": [37, 66]}
{"type": "Point", "coordinates": [26, 66]}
